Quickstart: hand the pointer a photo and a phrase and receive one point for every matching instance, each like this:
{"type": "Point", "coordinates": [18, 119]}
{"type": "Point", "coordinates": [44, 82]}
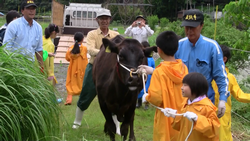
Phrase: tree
{"type": "Point", "coordinates": [238, 12]}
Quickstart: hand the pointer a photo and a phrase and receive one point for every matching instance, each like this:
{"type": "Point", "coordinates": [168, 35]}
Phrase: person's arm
{"type": "Point", "coordinates": [91, 43]}
{"type": "Point", "coordinates": [39, 56]}
{"type": "Point", "coordinates": [155, 91]}
{"type": "Point", "coordinates": [219, 73]}
{"type": "Point", "coordinates": [150, 32]}
{"type": "Point", "coordinates": [236, 91]}
{"type": "Point", "coordinates": [128, 31]}
{"type": "Point", "coordinates": [207, 125]}
{"type": "Point", "coordinates": [39, 47]}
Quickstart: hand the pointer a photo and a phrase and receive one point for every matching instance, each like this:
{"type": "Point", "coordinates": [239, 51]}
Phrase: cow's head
{"type": "Point", "coordinates": [130, 55]}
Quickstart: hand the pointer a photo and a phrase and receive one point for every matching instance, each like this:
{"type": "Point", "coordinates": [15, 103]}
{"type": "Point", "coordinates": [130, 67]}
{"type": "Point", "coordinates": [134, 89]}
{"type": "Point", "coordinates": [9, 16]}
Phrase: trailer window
{"type": "Point", "coordinates": [84, 14]}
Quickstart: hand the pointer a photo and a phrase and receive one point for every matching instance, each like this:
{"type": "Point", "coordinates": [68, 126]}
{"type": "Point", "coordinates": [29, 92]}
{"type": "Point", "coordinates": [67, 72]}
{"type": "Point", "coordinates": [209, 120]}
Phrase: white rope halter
{"type": "Point", "coordinates": [131, 71]}
{"type": "Point", "coordinates": [143, 72]}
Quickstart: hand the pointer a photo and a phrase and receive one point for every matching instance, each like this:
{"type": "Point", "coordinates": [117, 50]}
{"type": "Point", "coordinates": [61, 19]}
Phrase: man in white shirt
{"type": "Point", "coordinates": [139, 30]}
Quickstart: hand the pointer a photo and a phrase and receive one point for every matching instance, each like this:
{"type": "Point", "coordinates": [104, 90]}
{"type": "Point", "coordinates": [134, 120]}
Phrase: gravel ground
{"type": "Point", "coordinates": [61, 74]}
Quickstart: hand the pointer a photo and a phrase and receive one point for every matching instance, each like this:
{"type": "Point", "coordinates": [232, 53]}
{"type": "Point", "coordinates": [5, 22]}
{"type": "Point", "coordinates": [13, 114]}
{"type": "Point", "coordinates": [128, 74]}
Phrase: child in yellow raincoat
{"type": "Point", "coordinates": [197, 109]}
{"type": "Point", "coordinates": [77, 57]}
{"type": "Point", "coordinates": [49, 34]}
{"type": "Point", "coordinates": [165, 86]}
{"type": "Point", "coordinates": [236, 92]}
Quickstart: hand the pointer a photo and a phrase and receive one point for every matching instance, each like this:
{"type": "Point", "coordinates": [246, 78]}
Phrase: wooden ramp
{"type": "Point", "coordinates": [65, 42]}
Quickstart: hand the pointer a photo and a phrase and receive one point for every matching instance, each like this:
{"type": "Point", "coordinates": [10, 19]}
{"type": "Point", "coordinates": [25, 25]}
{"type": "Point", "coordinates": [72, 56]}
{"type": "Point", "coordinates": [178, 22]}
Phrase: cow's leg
{"type": "Point", "coordinates": [128, 121]}
{"type": "Point", "coordinates": [117, 124]}
{"type": "Point", "coordinates": [132, 134]}
{"type": "Point", "coordinates": [109, 127]}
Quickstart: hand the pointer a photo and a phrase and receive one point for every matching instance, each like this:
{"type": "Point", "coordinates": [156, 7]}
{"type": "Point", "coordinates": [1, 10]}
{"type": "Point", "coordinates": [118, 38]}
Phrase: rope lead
{"type": "Point", "coordinates": [143, 71]}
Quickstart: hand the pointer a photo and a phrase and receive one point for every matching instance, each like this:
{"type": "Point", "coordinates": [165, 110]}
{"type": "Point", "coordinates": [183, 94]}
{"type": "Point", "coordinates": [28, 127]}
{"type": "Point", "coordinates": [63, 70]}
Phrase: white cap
{"type": "Point", "coordinates": [103, 12]}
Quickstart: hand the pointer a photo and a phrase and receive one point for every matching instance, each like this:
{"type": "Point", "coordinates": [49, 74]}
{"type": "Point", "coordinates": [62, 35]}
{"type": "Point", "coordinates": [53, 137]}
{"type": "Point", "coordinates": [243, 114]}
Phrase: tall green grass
{"type": "Point", "coordinates": [28, 107]}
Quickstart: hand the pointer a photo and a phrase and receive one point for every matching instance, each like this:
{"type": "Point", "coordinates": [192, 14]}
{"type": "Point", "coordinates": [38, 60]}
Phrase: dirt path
{"type": "Point", "coordinates": [61, 75]}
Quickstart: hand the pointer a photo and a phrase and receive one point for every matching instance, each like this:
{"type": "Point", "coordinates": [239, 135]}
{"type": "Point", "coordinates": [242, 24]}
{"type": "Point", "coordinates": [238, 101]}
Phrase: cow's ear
{"type": "Point", "coordinates": [148, 52]}
{"type": "Point", "coordinates": [110, 46]}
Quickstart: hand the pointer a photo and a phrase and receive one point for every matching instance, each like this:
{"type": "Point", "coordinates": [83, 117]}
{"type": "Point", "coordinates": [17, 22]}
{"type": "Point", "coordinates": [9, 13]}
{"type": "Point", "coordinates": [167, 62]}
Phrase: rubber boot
{"type": "Point", "coordinates": [68, 100]}
{"type": "Point", "coordinates": [117, 124]}
{"type": "Point", "coordinates": [78, 119]}
{"type": "Point", "coordinates": [139, 102]}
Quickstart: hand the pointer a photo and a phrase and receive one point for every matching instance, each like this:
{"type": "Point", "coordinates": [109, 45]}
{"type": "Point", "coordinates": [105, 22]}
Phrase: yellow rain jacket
{"type": "Point", "coordinates": [239, 95]}
{"type": "Point", "coordinates": [49, 46]}
{"type": "Point", "coordinates": [206, 128]}
{"type": "Point", "coordinates": [76, 70]}
{"type": "Point", "coordinates": [165, 92]}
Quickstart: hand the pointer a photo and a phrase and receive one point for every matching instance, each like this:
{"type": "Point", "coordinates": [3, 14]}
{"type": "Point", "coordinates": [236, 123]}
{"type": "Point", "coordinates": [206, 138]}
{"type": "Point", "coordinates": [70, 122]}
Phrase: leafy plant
{"type": "Point", "coordinates": [163, 23]}
{"type": "Point", "coordinates": [29, 110]}
{"type": "Point", "coordinates": [238, 12]}
{"type": "Point", "coordinates": [176, 27]}
{"type": "Point", "coordinates": [152, 21]}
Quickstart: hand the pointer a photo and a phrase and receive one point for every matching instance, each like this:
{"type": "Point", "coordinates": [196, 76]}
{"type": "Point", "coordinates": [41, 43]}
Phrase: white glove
{"type": "Point", "coordinates": [168, 112]}
{"type": "Point", "coordinates": [221, 108]}
{"type": "Point", "coordinates": [144, 98]}
{"type": "Point", "coordinates": [191, 116]}
{"type": "Point", "coordinates": [149, 70]}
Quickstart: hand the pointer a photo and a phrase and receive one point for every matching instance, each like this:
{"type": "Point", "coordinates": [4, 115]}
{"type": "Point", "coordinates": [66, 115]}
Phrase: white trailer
{"type": "Point", "coordinates": [80, 17]}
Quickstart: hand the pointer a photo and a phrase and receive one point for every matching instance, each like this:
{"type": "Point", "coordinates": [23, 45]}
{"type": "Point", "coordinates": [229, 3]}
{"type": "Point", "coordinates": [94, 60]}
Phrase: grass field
{"type": "Point", "coordinates": [93, 122]}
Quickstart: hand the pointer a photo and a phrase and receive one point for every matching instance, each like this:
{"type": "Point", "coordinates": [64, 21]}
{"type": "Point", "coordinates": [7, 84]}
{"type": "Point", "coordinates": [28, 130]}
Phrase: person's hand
{"type": "Point", "coordinates": [143, 23]}
{"type": "Point", "coordinates": [221, 108]}
{"type": "Point", "coordinates": [191, 116]}
{"type": "Point", "coordinates": [50, 78]}
{"type": "Point", "coordinates": [144, 98]}
{"type": "Point", "coordinates": [134, 24]}
{"type": "Point", "coordinates": [168, 112]}
{"type": "Point", "coordinates": [51, 54]}
{"type": "Point", "coordinates": [149, 70]}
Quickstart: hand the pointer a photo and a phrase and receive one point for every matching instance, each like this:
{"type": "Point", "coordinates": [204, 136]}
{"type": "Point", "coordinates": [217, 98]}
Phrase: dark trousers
{"type": "Point", "coordinates": [88, 92]}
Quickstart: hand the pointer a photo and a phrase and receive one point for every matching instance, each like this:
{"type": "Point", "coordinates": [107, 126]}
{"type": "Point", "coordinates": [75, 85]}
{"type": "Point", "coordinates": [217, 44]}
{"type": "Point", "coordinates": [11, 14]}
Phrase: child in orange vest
{"type": "Point", "coordinates": [77, 57]}
{"type": "Point", "coordinates": [198, 109]}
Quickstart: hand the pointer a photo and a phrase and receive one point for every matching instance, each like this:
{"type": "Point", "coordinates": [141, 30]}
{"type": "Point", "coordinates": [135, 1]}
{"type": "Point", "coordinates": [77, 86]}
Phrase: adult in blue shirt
{"type": "Point", "coordinates": [25, 34]}
{"type": "Point", "coordinates": [203, 55]}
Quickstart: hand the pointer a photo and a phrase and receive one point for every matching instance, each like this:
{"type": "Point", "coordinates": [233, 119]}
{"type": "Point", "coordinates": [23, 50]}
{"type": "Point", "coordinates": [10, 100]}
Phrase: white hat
{"type": "Point", "coordinates": [103, 12]}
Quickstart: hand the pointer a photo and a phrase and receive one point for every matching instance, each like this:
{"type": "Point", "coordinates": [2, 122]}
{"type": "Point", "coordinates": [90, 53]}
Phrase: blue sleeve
{"type": "Point", "coordinates": [176, 56]}
{"type": "Point", "coordinates": [9, 36]}
{"type": "Point", "coordinates": [40, 42]}
{"type": "Point", "coordinates": [219, 73]}
{"type": "Point", "coordinates": [151, 62]}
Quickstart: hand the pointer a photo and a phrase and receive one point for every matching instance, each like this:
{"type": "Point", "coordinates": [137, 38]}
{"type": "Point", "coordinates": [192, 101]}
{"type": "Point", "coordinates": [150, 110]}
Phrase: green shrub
{"type": "Point", "coordinates": [176, 27]}
{"type": "Point", "coordinates": [163, 22]}
{"type": "Point", "coordinates": [29, 110]}
{"type": "Point", "coordinates": [152, 21]}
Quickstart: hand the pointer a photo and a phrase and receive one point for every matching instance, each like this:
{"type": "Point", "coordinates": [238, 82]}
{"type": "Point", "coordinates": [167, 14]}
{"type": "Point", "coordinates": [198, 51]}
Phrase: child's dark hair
{"type": "Point", "coordinates": [145, 44]}
{"type": "Point", "coordinates": [78, 37]}
{"type": "Point", "coordinates": [48, 30]}
{"type": "Point", "coordinates": [197, 83]}
{"type": "Point", "coordinates": [167, 41]}
{"type": "Point", "coordinates": [11, 15]}
{"type": "Point", "coordinates": [226, 52]}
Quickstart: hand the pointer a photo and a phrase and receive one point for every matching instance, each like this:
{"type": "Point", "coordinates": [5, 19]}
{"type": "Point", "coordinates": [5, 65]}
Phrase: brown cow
{"type": "Point", "coordinates": [117, 91]}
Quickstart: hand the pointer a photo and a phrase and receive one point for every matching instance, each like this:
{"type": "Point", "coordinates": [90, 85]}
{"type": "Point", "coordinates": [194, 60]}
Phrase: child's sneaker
{"type": "Point", "coordinates": [59, 100]}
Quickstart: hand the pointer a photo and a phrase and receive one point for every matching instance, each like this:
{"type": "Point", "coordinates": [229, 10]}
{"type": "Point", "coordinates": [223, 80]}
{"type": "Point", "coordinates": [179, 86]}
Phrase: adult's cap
{"type": "Point", "coordinates": [192, 17]}
{"type": "Point", "coordinates": [28, 3]}
{"type": "Point", "coordinates": [103, 12]}
{"type": "Point", "coordinates": [140, 16]}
